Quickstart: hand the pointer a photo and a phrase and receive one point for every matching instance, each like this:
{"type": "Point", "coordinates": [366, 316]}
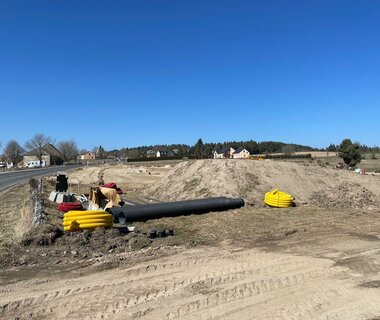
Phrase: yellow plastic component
{"type": "Point", "coordinates": [91, 226]}
{"type": "Point", "coordinates": [77, 220]}
{"type": "Point", "coordinates": [278, 199]}
{"type": "Point", "coordinates": [94, 225]}
{"type": "Point", "coordinates": [89, 216]}
{"type": "Point", "coordinates": [80, 222]}
{"type": "Point", "coordinates": [74, 213]}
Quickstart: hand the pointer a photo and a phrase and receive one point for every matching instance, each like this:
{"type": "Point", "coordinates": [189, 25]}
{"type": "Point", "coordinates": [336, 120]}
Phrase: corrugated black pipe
{"type": "Point", "coordinates": [172, 209]}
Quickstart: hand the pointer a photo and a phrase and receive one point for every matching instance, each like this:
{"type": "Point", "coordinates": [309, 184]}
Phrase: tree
{"type": "Point", "coordinates": [36, 145]}
{"type": "Point", "coordinates": [13, 152]}
{"type": "Point", "coordinates": [331, 148]}
{"type": "Point", "coordinates": [100, 153]}
{"type": "Point", "coordinates": [198, 148]}
{"type": "Point", "coordinates": [68, 149]}
{"type": "Point", "coordinates": [349, 152]}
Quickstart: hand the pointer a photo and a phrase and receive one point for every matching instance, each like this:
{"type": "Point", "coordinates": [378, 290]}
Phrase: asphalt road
{"type": "Point", "coordinates": [9, 179]}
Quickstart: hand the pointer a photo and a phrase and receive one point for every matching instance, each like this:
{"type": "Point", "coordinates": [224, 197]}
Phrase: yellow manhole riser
{"type": "Point", "coordinates": [78, 220]}
{"type": "Point", "coordinates": [278, 199]}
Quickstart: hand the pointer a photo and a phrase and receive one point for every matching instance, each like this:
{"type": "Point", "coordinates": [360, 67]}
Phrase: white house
{"type": "Point", "coordinates": [224, 153]}
{"type": "Point", "coordinates": [219, 154]}
{"type": "Point", "coordinates": [164, 153]}
{"type": "Point", "coordinates": [241, 153]}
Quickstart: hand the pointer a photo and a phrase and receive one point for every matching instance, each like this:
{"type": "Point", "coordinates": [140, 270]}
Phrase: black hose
{"type": "Point", "coordinates": [172, 209]}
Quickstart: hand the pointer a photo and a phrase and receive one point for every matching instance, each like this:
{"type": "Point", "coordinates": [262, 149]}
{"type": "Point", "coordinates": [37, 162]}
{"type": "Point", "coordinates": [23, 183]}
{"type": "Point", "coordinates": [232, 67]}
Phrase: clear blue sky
{"type": "Point", "coordinates": [129, 73]}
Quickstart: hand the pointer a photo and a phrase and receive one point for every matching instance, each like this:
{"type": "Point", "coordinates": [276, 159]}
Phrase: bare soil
{"type": "Point", "coordinates": [315, 261]}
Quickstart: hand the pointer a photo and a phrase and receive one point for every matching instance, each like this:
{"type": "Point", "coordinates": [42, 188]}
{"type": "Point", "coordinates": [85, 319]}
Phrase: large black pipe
{"type": "Point", "coordinates": [172, 209]}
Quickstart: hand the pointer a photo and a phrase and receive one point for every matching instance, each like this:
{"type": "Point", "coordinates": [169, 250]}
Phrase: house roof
{"type": "Point", "coordinates": [222, 150]}
{"type": "Point", "coordinates": [240, 149]}
{"type": "Point", "coordinates": [165, 152]}
{"type": "Point", "coordinates": [48, 149]}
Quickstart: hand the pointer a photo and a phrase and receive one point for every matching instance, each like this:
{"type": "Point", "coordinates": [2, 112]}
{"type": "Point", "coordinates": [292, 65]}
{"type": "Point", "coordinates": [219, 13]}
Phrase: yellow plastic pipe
{"type": "Point", "coordinates": [278, 199]}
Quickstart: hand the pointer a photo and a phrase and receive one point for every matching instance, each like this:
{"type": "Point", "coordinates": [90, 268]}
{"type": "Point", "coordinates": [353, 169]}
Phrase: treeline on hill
{"type": "Point", "coordinates": [205, 150]}
{"type": "Point", "coordinates": [362, 148]}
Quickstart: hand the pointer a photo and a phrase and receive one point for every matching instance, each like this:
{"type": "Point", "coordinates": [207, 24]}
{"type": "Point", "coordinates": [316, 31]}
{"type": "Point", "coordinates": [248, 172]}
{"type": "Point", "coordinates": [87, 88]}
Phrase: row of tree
{"type": "Point", "coordinates": [13, 151]}
{"type": "Point", "coordinates": [205, 150]}
{"type": "Point", "coordinates": [350, 152]}
{"type": "Point", "coordinates": [362, 148]}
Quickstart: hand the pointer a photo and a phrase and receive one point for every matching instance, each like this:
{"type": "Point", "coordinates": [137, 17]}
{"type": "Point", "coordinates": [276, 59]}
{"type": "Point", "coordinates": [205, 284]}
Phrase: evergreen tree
{"type": "Point", "coordinates": [350, 152]}
{"type": "Point", "coordinates": [198, 148]}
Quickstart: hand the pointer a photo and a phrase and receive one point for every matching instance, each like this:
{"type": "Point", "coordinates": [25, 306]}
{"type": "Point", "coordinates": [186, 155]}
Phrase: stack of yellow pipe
{"type": "Point", "coordinates": [91, 219]}
{"type": "Point", "coordinates": [278, 199]}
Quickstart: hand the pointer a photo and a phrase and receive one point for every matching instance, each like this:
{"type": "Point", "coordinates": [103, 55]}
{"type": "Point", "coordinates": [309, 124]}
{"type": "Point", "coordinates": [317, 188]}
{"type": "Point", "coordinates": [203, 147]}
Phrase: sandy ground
{"type": "Point", "coordinates": [202, 284]}
{"type": "Point", "coordinates": [252, 263]}
{"type": "Point", "coordinates": [128, 177]}
{"type": "Point", "coordinates": [206, 283]}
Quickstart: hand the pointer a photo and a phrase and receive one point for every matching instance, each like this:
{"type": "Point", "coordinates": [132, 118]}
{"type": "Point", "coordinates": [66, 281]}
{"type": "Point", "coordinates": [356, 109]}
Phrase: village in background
{"type": "Point", "coordinates": [42, 151]}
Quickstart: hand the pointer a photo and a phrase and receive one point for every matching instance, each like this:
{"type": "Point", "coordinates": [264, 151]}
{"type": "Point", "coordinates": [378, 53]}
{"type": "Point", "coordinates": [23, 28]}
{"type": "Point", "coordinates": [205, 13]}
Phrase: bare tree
{"type": "Point", "coordinates": [68, 149]}
{"type": "Point", "coordinates": [36, 145]}
{"type": "Point", "coordinates": [13, 151]}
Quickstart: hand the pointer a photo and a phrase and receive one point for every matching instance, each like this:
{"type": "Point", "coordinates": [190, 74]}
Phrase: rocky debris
{"type": "Point", "coordinates": [344, 195]}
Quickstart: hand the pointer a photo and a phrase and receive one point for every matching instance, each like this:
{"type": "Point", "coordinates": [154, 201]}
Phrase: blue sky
{"type": "Point", "coordinates": [128, 73]}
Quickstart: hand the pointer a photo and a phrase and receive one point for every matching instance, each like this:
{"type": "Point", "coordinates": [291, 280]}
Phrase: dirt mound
{"type": "Point", "coordinates": [308, 183]}
{"type": "Point", "coordinates": [342, 195]}
{"type": "Point", "coordinates": [43, 235]}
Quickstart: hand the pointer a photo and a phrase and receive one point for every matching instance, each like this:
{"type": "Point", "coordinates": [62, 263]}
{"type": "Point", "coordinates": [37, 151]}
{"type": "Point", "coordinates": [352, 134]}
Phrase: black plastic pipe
{"type": "Point", "coordinates": [126, 214]}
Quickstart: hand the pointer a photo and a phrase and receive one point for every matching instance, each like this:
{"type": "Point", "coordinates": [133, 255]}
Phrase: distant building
{"type": "Point", "coordinates": [87, 156]}
{"type": "Point", "coordinates": [164, 153]}
{"type": "Point", "coordinates": [50, 155]}
{"type": "Point", "coordinates": [100, 153]}
{"type": "Point", "coordinates": [241, 153]}
{"type": "Point", "coordinates": [151, 153]}
{"type": "Point", "coordinates": [223, 153]}
{"type": "Point", "coordinates": [219, 153]}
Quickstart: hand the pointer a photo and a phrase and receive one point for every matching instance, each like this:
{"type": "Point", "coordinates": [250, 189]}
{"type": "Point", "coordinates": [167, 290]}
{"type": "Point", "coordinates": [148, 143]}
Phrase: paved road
{"type": "Point", "coordinates": [9, 179]}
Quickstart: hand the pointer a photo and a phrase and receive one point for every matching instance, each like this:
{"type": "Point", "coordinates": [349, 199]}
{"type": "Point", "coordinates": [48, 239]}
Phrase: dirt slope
{"type": "Point", "coordinates": [309, 184]}
{"type": "Point", "coordinates": [15, 214]}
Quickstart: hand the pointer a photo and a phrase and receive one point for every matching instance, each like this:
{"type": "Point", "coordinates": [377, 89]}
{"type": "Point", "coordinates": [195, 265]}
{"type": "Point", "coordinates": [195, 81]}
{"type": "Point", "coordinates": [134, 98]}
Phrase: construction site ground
{"type": "Point", "coordinates": [306, 262]}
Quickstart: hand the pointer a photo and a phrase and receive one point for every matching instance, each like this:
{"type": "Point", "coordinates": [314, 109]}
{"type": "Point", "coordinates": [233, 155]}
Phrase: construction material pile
{"type": "Point", "coordinates": [250, 180]}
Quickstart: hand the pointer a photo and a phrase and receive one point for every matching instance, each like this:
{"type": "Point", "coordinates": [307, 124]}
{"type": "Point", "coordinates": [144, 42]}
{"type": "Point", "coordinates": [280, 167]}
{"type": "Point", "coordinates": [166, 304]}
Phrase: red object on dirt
{"type": "Point", "coordinates": [112, 185]}
{"type": "Point", "coordinates": [67, 206]}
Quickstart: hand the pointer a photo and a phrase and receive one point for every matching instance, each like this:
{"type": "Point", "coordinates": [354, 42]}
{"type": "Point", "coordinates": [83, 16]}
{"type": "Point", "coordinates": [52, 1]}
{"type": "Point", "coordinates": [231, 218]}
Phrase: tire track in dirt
{"type": "Point", "coordinates": [144, 272]}
{"type": "Point", "coordinates": [205, 283]}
